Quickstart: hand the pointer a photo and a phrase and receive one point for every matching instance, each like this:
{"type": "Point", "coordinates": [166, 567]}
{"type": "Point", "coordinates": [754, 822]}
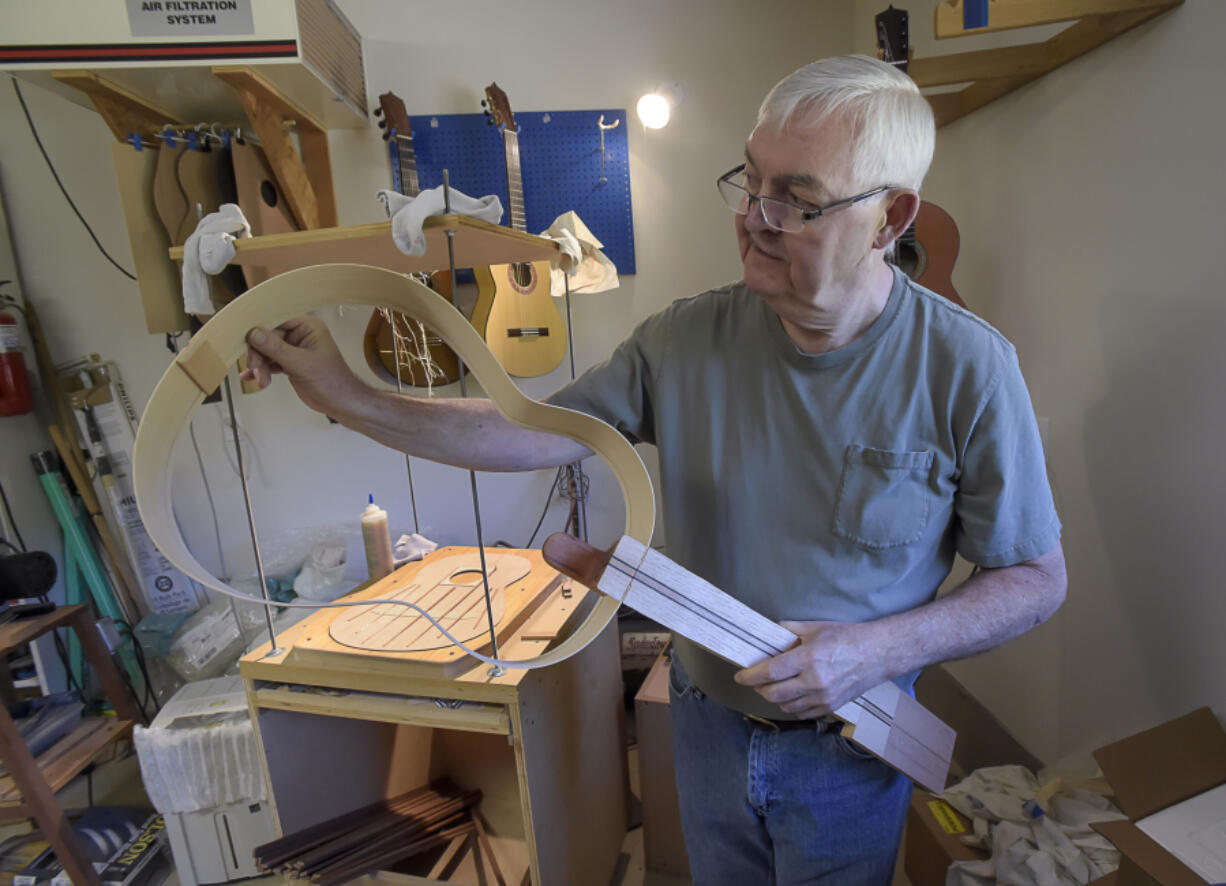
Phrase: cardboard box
{"type": "Point", "coordinates": [933, 840]}
{"type": "Point", "coordinates": [1171, 768]}
{"type": "Point", "coordinates": [663, 844]}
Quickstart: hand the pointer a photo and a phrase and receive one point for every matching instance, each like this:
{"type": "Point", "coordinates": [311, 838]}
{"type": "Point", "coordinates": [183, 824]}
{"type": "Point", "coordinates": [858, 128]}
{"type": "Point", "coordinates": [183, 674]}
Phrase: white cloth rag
{"type": "Point", "coordinates": [589, 269]}
{"type": "Point", "coordinates": [1032, 845]}
{"type": "Point", "coordinates": [411, 547]}
{"type": "Point", "coordinates": [209, 249]}
{"type": "Point", "coordinates": [410, 213]}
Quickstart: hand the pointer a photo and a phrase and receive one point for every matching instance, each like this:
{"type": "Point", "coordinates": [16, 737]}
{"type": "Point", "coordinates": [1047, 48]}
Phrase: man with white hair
{"type": "Point", "coordinates": [830, 435]}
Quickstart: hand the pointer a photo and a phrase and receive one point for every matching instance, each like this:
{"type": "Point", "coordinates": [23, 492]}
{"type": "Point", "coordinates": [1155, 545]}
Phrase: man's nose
{"type": "Point", "coordinates": [755, 218]}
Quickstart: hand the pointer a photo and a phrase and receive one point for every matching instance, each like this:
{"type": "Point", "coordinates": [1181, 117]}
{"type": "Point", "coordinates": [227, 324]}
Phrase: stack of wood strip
{"type": "Point", "coordinates": [374, 837]}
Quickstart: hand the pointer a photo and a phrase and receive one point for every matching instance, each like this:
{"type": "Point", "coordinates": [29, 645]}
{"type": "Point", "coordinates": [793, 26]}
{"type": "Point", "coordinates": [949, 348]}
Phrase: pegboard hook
{"type": "Point", "coordinates": [602, 126]}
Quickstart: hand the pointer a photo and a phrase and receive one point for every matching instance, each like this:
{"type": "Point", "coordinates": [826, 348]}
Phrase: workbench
{"type": "Point", "coordinates": [339, 728]}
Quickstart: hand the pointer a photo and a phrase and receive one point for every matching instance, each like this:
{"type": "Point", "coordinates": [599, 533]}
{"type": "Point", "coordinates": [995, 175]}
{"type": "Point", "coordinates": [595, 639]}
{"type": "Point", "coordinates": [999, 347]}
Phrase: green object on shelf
{"type": "Point", "coordinates": [80, 561]}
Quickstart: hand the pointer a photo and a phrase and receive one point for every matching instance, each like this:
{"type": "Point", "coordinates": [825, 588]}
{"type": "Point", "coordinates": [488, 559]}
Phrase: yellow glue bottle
{"type": "Point", "coordinates": [377, 540]}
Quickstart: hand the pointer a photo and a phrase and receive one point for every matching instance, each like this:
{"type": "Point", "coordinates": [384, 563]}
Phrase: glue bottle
{"type": "Point", "coordinates": [377, 540]}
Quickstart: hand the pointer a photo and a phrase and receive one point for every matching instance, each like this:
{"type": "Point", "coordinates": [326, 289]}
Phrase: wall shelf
{"type": "Point", "coordinates": [992, 73]}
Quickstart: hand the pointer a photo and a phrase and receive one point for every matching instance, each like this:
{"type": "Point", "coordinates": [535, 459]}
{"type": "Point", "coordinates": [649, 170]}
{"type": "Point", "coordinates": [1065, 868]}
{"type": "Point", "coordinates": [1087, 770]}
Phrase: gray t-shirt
{"type": "Point", "coordinates": [833, 486]}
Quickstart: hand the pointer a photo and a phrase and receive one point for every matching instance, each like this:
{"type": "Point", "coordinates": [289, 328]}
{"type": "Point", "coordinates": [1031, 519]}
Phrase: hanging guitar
{"type": "Point", "coordinates": [514, 312]}
{"type": "Point", "coordinates": [425, 360]}
{"type": "Point", "coordinates": [927, 250]}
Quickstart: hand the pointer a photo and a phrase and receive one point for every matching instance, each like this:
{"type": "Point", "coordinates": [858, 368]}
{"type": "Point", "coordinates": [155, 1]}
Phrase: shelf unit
{"type": "Point", "coordinates": [992, 73]}
{"type": "Point", "coordinates": [28, 791]}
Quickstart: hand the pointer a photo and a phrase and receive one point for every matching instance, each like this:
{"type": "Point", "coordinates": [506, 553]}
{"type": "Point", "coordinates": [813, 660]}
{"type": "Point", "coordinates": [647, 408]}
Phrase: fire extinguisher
{"type": "Point", "coordinates": [15, 397]}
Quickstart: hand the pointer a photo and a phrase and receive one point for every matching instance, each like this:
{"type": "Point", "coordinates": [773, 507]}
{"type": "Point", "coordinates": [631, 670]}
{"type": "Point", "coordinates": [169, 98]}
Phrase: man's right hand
{"type": "Point", "coordinates": [305, 352]}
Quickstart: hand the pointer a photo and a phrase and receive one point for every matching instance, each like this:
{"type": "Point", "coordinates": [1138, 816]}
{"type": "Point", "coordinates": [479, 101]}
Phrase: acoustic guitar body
{"type": "Point", "coordinates": [937, 242]}
{"type": "Point", "coordinates": [425, 359]}
{"type": "Point", "coordinates": [260, 199]}
{"type": "Point", "coordinates": [380, 350]}
{"type": "Point", "coordinates": [518, 319]}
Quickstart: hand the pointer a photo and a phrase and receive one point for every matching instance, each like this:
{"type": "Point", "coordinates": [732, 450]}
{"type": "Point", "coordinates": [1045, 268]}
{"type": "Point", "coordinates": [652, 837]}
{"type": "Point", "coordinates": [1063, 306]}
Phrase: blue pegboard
{"type": "Point", "coordinates": [560, 162]}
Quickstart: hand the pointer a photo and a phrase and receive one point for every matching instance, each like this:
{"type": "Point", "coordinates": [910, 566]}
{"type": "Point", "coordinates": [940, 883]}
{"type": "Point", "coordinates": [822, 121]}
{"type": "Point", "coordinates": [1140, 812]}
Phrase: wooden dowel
{"type": "Point", "coordinates": [345, 847]}
{"type": "Point", "coordinates": [273, 854]}
{"type": "Point", "coordinates": [484, 840]}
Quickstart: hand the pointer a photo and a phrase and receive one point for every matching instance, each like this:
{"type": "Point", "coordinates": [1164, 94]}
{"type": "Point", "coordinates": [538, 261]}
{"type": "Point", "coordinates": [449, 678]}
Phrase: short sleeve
{"type": "Point", "coordinates": [1004, 507]}
{"type": "Point", "coordinates": [620, 390]}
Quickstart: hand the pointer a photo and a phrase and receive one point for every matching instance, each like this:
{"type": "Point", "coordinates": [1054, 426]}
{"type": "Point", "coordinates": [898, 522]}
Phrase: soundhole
{"type": "Point", "coordinates": [468, 577]}
{"type": "Point", "coordinates": [911, 259]}
{"type": "Point", "coordinates": [268, 193]}
{"type": "Point", "coordinates": [522, 276]}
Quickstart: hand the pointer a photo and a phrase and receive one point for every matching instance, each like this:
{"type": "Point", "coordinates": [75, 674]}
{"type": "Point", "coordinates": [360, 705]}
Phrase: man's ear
{"type": "Point", "coordinates": [901, 206]}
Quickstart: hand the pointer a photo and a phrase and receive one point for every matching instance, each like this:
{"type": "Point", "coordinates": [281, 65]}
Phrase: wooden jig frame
{"type": "Point", "coordinates": [201, 367]}
{"type": "Point", "coordinates": [992, 73]}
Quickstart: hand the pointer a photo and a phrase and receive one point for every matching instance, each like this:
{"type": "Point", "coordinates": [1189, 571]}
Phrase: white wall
{"type": "Point", "coordinates": [306, 474]}
{"type": "Point", "coordinates": [1089, 206]}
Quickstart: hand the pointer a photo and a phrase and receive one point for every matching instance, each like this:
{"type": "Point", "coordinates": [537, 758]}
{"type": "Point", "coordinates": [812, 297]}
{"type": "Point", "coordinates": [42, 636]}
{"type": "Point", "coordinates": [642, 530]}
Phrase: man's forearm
{"type": "Point", "coordinates": [467, 433]}
{"type": "Point", "coordinates": [991, 607]}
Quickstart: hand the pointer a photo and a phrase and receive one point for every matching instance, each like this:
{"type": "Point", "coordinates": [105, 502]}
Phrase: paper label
{"type": "Point", "coordinates": [189, 18]}
{"type": "Point", "coordinates": [946, 817]}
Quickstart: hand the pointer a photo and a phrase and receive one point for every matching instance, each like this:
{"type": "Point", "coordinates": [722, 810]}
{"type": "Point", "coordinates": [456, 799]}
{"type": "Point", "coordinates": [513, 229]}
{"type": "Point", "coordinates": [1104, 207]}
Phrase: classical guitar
{"type": "Point", "coordinates": [927, 250]}
{"type": "Point", "coordinates": [424, 359]}
{"type": "Point", "coordinates": [514, 311]}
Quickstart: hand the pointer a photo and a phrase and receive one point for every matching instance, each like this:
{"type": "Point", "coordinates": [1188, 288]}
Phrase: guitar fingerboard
{"type": "Point", "coordinates": [561, 170]}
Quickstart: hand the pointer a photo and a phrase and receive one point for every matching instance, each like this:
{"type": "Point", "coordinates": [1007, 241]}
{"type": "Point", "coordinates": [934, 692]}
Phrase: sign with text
{"type": "Point", "coordinates": [189, 18]}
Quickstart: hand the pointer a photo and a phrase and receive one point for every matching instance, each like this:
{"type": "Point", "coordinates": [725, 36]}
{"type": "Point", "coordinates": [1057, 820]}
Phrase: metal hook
{"type": "Point", "coordinates": [603, 128]}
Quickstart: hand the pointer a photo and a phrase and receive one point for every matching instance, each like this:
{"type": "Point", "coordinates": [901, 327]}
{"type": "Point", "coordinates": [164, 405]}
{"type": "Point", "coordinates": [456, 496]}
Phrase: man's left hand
{"type": "Point", "coordinates": [831, 665]}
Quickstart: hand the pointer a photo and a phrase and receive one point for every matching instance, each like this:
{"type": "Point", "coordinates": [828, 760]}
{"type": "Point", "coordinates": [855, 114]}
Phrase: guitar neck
{"type": "Point", "coordinates": [515, 184]}
{"type": "Point", "coordinates": [404, 166]}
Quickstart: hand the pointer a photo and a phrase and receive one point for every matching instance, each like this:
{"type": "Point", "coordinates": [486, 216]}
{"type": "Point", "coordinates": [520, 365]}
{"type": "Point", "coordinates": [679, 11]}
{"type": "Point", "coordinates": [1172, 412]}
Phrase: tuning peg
{"type": "Point", "coordinates": [379, 112]}
{"type": "Point", "coordinates": [386, 136]}
{"type": "Point", "coordinates": [484, 103]}
{"type": "Point", "coordinates": [383, 124]}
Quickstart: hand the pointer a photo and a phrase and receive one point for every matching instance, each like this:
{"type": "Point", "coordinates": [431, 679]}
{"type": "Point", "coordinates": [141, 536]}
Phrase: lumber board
{"type": "Point", "coordinates": [389, 708]}
{"type": "Point", "coordinates": [885, 720]}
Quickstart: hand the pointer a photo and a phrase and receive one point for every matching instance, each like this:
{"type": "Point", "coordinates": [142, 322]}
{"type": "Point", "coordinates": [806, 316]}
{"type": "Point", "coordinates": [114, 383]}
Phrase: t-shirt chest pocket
{"type": "Point", "coordinates": [883, 497]}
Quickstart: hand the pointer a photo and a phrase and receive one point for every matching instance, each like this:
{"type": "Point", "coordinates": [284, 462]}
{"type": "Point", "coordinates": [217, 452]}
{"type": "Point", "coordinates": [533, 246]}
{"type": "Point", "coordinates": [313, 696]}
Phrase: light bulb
{"type": "Point", "coordinates": [653, 110]}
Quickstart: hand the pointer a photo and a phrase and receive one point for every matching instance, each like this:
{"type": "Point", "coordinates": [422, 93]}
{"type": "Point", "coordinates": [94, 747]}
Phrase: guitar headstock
{"type": "Point", "coordinates": [893, 37]}
{"type": "Point", "coordinates": [394, 117]}
{"type": "Point", "coordinates": [498, 109]}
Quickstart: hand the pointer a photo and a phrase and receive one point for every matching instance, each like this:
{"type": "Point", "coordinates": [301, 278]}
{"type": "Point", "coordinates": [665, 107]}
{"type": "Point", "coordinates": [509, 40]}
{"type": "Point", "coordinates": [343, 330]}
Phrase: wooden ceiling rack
{"type": "Point", "coordinates": [992, 73]}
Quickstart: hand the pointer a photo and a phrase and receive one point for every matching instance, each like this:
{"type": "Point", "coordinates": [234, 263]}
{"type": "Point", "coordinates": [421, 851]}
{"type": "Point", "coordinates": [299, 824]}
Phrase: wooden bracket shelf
{"type": "Point", "coordinates": [992, 73]}
{"type": "Point", "coordinates": [306, 179]}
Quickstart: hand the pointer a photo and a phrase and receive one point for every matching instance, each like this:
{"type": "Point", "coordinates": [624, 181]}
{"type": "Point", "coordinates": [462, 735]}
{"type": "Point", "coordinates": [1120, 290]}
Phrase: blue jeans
{"type": "Point", "coordinates": [768, 806]}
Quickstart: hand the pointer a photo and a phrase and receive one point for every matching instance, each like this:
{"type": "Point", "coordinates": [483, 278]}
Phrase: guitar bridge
{"type": "Point", "coordinates": [528, 332]}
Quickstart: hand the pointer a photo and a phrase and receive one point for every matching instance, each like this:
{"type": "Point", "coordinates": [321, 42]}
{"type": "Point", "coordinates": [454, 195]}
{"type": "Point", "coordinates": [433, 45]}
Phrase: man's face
{"type": "Point", "coordinates": [821, 265]}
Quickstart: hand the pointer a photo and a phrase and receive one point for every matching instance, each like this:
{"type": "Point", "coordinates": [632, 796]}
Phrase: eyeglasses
{"type": "Point", "coordinates": [778, 214]}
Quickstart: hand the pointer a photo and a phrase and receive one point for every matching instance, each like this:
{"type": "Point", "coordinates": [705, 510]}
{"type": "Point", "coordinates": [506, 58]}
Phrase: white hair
{"type": "Point", "coordinates": [894, 127]}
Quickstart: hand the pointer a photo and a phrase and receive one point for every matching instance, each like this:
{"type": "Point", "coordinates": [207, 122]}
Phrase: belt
{"type": "Point", "coordinates": [821, 724]}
